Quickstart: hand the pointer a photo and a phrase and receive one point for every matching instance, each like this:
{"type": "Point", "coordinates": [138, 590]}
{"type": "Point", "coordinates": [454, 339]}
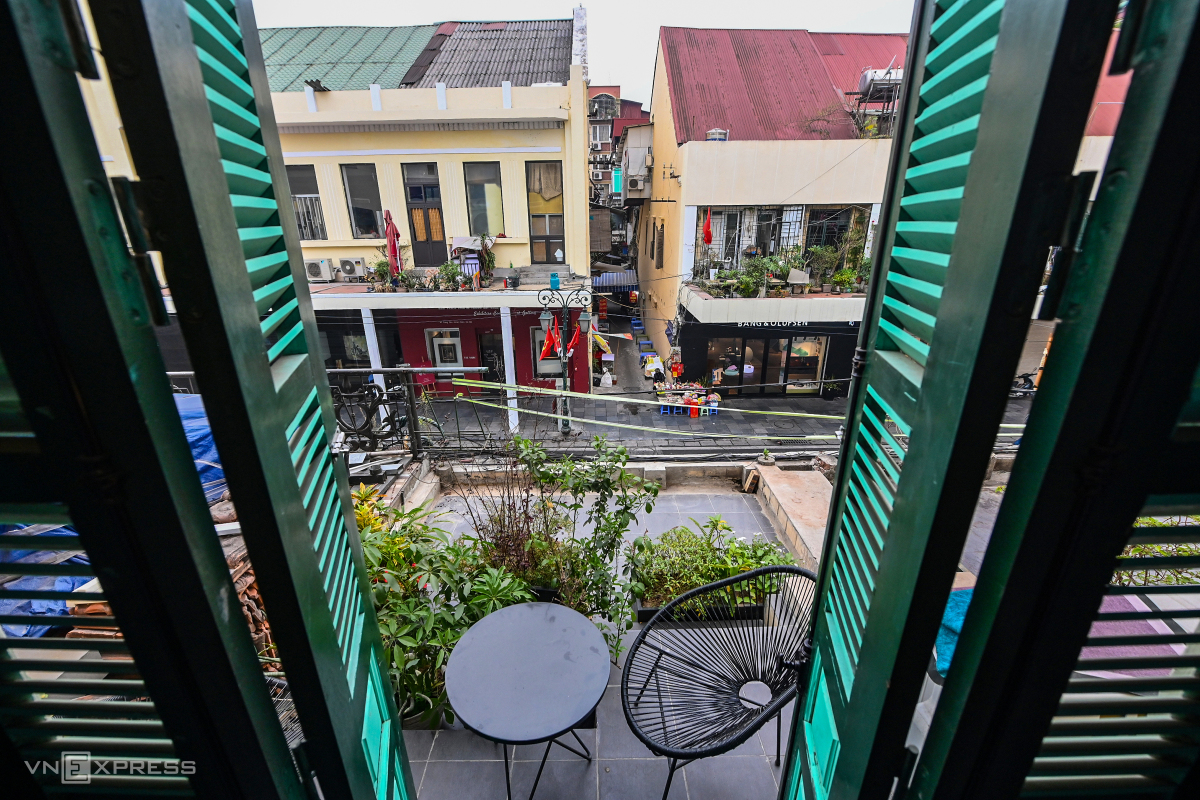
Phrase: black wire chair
{"type": "Point", "coordinates": [714, 664]}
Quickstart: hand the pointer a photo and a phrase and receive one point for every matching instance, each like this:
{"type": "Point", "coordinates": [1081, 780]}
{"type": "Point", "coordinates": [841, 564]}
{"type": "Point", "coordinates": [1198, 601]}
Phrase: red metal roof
{"type": "Point", "coordinates": [846, 55]}
{"type": "Point", "coordinates": [1110, 97]}
{"type": "Point", "coordinates": [768, 84]}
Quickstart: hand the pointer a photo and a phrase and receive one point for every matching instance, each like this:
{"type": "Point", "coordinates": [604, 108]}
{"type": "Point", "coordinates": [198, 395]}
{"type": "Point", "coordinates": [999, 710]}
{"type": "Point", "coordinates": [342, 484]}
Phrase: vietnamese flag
{"type": "Point", "coordinates": [574, 340]}
{"type": "Point", "coordinates": [553, 342]}
{"type": "Point", "coordinates": [548, 346]}
{"type": "Point", "coordinates": [708, 228]}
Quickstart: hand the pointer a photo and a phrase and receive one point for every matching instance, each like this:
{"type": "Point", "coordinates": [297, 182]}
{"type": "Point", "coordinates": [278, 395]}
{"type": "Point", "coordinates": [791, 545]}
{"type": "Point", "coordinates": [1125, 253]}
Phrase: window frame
{"type": "Point", "coordinates": [354, 230]}
{"type": "Point", "coordinates": [307, 207]}
{"type": "Point", "coordinates": [537, 338]}
{"type": "Point", "coordinates": [548, 238]}
{"type": "Point", "coordinates": [467, 183]}
{"type": "Point", "coordinates": [432, 338]}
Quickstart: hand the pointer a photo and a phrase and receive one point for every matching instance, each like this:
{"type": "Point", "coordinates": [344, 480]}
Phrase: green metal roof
{"type": "Point", "coordinates": [342, 58]}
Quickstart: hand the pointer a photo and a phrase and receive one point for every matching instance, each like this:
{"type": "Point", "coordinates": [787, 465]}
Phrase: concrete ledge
{"type": "Point", "coordinates": [667, 474]}
{"type": "Point", "coordinates": [797, 503]}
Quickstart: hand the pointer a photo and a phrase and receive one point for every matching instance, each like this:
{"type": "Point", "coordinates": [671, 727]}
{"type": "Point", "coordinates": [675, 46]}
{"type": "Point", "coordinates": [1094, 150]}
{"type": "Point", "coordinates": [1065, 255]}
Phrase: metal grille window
{"type": "Point", "coordinates": [791, 232]}
{"type": "Point", "coordinates": [828, 226]}
{"type": "Point", "coordinates": [658, 255]}
{"type": "Point", "coordinates": [362, 198]}
{"type": "Point", "coordinates": [485, 206]}
{"type": "Point", "coordinates": [306, 200]}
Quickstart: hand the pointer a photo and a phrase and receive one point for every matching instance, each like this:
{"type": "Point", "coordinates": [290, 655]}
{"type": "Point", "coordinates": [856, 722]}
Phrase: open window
{"type": "Point", "coordinates": [485, 202]}
{"type": "Point", "coordinates": [362, 198]}
{"type": "Point", "coordinates": [544, 184]}
{"type": "Point", "coordinates": [306, 202]}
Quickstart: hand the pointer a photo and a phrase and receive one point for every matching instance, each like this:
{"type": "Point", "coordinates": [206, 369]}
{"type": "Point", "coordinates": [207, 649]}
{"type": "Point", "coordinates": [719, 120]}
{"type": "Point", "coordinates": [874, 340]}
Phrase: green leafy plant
{"type": "Point", "coordinates": [822, 261]}
{"type": "Point", "coordinates": [529, 521]}
{"type": "Point", "coordinates": [450, 276]}
{"type": "Point", "coordinates": [844, 278]}
{"type": "Point", "coordinates": [427, 590]}
{"type": "Point", "coordinates": [684, 559]}
{"type": "Point", "coordinates": [1160, 577]}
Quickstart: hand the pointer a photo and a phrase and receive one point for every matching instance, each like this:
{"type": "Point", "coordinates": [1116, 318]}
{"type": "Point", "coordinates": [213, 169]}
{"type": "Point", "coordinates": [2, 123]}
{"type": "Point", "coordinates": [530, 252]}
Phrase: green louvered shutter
{"type": "Point", "coordinates": [196, 109]}
{"type": "Point", "coordinates": [90, 438]}
{"type": "Point", "coordinates": [980, 182]}
{"type": "Point", "coordinates": [1076, 671]}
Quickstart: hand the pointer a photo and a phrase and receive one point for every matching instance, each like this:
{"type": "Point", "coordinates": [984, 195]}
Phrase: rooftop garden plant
{"type": "Point", "coordinates": [684, 558]}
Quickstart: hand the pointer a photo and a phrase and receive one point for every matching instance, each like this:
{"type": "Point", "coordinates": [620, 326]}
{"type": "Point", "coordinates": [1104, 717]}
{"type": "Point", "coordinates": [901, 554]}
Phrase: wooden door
{"type": "Point", "coordinates": [424, 197]}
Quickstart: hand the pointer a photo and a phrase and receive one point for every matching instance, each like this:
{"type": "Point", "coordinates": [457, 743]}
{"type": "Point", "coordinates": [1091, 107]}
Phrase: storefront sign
{"type": "Point", "coordinates": [772, 324]}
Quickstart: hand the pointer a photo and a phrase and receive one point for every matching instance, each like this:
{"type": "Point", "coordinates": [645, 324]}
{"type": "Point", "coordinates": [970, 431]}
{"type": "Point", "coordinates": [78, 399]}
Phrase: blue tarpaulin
{"type": "Point", "coordinates": [204, 449]}
{"type": "Point", "coordinates": [38, 582]}
{"type": "Point", "coordinates": [212, 478]}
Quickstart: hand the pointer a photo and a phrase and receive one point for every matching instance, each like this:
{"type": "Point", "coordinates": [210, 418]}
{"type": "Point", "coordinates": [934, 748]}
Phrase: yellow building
{"type": "Point", "coordinates": [445, 127]}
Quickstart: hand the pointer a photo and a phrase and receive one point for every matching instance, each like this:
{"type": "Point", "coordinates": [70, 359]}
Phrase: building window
{"type": "Point", "coordinates": [603, 105]}
{"type": "Point", "coordinates": [485, 207]}
{"type": "Point", "coordinates": [658, 254]}
{"type": "Point", "coordinates": [601, 133]}
{"type": "Point", "coordinates": [306, 201]}
{"type": "Point", "coordinates": [805, 364]}
{"type": "Point", "coordinates": [548, 367]}
{"type": "Point", "coordinates": [362, 197]}
{"type": "Point", "coordinates": [827, 227]}
{"type": "Point", "coordinates": [445, 348]}
{"type": "Point", "coordinates": [544, 185]}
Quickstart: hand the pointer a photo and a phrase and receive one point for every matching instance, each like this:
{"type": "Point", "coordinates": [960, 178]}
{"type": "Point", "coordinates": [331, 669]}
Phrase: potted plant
{"type": "Point", "coordinates": [450, 277]}
{"type": "Point", "coordinates": [684, 559]}
{"type": "Point", "coordinates": [766, 457]}
{"type": "Point", "coordinates": [406, 281]}
{"type": "Point", "coordinates": [843, 279]}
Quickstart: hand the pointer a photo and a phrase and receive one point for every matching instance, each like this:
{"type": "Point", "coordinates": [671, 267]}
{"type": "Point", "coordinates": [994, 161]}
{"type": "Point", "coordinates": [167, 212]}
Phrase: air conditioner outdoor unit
{"type": "Point", "coordinates": [595, 145]}
{"type": "Point", "coordinates": [351, 269]}
{"type": "Point", "coordinates": [318, 270]}
{"type": "Point", "coordinates": [636, 184]}
{"type": "Point", "coordinates": [597, 175]}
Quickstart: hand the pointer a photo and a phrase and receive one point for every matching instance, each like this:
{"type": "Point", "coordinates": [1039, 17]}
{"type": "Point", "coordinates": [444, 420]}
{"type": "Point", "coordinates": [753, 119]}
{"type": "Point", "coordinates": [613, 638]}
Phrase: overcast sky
{"type": "Point", "coordinates": [622, 34]}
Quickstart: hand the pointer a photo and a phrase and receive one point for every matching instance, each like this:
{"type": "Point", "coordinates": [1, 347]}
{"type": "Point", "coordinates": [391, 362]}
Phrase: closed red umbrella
{"type": "Point", "coordinates": [393, 243]}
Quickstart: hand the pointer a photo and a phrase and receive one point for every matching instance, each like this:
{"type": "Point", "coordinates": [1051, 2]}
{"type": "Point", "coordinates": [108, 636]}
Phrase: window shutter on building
{"type": "Point", "coordinates": [658, 256]}
{"type": "Point", "coordinates": [203, 136]}
{"type": "Point", "coordinates": [92, 439]}
{"type": "Point", "coordinates": [979, 184]}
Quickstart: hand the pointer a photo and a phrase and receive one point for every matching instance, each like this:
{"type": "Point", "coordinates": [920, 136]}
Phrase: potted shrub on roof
{"type": "Point", "coordinates": [684, 559]}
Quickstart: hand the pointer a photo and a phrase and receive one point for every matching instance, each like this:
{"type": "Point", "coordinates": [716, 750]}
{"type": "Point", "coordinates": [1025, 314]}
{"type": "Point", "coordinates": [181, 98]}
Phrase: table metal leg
{"type": "Point", "coordinates": [540, 768]}
{"type": "Point", "coordinates": [586, 754]}
{"type": "Point", "coordinates": [507, 786]}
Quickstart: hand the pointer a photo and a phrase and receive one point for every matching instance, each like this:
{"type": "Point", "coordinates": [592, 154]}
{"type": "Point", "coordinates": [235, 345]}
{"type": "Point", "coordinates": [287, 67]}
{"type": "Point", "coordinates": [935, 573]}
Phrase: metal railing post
{"type": "Point", "coordinates": [414, 426]}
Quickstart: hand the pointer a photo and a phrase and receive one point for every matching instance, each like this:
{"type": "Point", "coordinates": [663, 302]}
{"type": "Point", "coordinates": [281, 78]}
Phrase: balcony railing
{"type": "Point", "coordinates": [309, 218]}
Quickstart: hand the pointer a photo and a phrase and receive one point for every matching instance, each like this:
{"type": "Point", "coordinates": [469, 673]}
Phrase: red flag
{"type": "Point", "coordinates": [574, 340]}
{"type": "Point", "coordinates": [548, 347]}
{"type": "Point", "coordinates": [708, 228]}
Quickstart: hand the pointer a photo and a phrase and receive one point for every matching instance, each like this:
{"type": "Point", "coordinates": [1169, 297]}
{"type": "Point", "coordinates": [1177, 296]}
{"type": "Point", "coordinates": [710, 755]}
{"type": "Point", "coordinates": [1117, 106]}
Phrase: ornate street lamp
{"type": "Point", "coordinates": [580, 298]}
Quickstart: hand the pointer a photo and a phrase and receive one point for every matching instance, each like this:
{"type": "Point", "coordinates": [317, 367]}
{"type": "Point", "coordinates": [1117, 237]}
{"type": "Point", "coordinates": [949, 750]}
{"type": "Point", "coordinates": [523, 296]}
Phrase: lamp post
{"type": "Point", "coordinates": [577, 298]}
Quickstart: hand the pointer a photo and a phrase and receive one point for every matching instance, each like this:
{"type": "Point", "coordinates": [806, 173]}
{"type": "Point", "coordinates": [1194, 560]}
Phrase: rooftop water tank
{"type": "Point", "coordinates": [717, 135]}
